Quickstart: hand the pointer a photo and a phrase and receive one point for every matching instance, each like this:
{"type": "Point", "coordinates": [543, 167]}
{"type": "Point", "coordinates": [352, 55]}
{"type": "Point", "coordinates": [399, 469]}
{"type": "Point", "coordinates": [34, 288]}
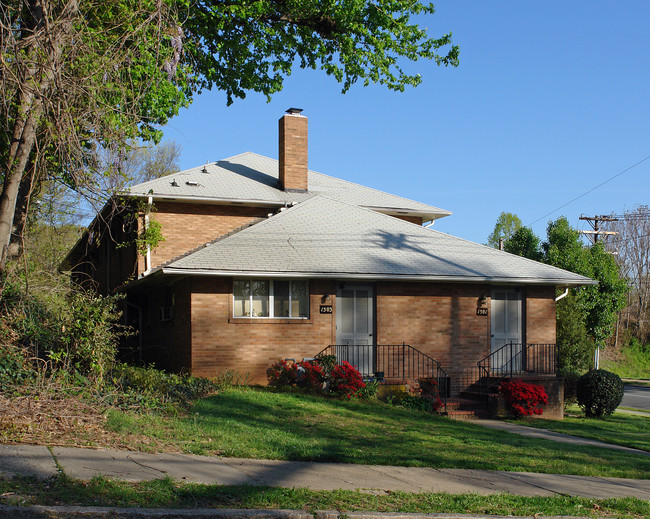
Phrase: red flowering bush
{"type": "Point", "coordinates": [523, 398]}
{"type": "Point", "coordinates": [282, 373]}
{"type": "Point", "coordinates": [310, 376]}
{"type": "Point", "coordinates": [429, 392]}
{"type": "Point", "coordinates": [346, 380]}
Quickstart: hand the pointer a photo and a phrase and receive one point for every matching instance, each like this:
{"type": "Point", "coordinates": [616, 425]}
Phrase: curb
{"type": "Point", "coordinates": [92, 512]}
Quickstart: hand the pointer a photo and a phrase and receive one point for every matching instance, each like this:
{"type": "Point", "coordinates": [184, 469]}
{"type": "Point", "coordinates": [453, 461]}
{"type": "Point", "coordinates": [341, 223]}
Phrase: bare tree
{"type": "Point", "coordinates": [631, 246]}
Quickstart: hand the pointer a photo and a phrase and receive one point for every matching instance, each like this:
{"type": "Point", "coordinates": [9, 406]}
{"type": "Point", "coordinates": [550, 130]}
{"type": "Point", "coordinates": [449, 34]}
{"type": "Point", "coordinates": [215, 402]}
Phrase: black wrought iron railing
{"type": "Point", "coordinates": [391, 361]}
{"type": "Point", "coordinates": [515, 359]}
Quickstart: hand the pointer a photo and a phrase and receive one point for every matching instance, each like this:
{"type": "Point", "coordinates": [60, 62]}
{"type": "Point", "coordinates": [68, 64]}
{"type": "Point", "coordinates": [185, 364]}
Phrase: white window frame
{"type": "Point", "coordinates": [271, 301]}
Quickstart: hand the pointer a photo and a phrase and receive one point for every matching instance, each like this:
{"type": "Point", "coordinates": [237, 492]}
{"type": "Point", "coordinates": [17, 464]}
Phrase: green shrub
{"type": "Point", "coordinates": [599, 392]}
{"type": "Point", "coordinates": [370, 391]}
{"type": "Point", "coordinates": [230, 378]}
{"type": "Point", "coordinates": [71, 337]}
{"type": "Point", "coordinates": [15, 367]}
{"type": "Point", "coordinates": [417, 402]}
{"type": "Point", "coordinates": [154, 389]}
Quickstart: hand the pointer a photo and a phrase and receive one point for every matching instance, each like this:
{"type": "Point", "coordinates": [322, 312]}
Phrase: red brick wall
{"type": "Point", "coordinates": [540, 315]}
{"type": "Point", "coordinates": [220, 342]}
{"type": "Point", "coordinates": [186, 226]}
{"type": "Point", "coordinates": [437, 319]}
{"type": "Point", "coordinates": [293, 152]}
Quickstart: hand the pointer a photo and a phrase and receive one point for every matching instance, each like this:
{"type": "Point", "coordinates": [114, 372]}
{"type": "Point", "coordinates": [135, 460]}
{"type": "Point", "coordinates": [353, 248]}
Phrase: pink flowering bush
{"type": "Point", "coordinates": [346, 380]}
{"type": "Point", "coordinates": [523, 398]}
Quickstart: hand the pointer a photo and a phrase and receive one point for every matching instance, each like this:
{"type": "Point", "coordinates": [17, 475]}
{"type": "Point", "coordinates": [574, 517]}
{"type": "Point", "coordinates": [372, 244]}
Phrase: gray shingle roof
{"type": "Point", "coordinates": [254, 178]}
{"type": "Point", "coordinates": [322, 237]}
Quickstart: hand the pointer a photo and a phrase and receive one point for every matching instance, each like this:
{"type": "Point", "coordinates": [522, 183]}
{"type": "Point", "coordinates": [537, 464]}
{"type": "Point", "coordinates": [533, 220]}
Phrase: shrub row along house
{"type": "Point", "coordinates": [264, 259]}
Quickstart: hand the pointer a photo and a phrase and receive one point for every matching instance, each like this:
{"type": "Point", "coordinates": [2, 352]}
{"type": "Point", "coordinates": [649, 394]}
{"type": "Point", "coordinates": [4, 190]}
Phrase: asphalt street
{"type": "Point", "coordinates": [637, 397]}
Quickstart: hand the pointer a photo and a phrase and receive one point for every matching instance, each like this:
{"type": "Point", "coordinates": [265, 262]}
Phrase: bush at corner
{"type": "Point", "coordinates": [523, 398]}
{"type": "Point", "coordinates": [599, 392]}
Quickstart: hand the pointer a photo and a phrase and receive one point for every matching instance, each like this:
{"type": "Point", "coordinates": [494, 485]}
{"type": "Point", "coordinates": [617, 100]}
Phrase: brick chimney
{"type": "Point", "coordinates": [293, 151]}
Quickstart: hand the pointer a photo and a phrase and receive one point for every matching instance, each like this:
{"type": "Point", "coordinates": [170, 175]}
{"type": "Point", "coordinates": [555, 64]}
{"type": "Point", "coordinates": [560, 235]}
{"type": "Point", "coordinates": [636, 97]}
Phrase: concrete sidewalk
{"type": "Point", "coordinates": [136, 466]}
{"type": "Point", "coordinates": [533, 432]}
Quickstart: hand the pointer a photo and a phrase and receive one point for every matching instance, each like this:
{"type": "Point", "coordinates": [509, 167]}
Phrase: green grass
{"type": "Point", "coordinates": [633, 409]}
{"type": "Point", "coordinates": [259, 423]}
{"type": "Point", "coordinates": [620, 428]}
{"type": "Point", "coordinates": [166, 493]}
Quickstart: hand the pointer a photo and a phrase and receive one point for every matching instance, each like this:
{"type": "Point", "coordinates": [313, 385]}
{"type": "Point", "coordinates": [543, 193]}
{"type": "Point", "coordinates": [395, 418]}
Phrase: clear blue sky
{"type": "Point", "coordinates": [550, 99]}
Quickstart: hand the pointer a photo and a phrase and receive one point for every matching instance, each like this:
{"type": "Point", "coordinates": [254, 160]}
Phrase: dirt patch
{"type": "Point", "coordinates": [68, 421]}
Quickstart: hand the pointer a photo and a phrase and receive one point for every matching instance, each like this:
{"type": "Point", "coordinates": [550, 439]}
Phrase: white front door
{"type": "Point", "coordinates": [355, 326]}
{"type": "Point", "coordinates": [506, 329]}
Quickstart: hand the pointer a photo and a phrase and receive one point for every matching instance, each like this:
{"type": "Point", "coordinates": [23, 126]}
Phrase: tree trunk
{"type": "Point", "coordinates": [23, 139]}
{"type": "Point", "coordinates": [26, 192]}
{"type": "Point", "coordinates": [42, 58]}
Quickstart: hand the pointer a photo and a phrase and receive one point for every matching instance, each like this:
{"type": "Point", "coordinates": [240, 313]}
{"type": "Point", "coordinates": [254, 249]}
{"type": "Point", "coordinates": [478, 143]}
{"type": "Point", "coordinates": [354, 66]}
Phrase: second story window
{"type": "Point", "coordinates": [271, 298]}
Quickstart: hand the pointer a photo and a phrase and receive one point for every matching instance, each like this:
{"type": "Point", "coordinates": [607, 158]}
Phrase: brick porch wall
{"type": "Point", "coordinates": [437, 319]}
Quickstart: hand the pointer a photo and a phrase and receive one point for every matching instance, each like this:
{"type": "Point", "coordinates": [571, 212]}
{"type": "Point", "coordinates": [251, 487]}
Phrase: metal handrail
{"type": "Point", "coordinates": [391, 361]}
{"type": "Point", "coordinates": [514, 359]}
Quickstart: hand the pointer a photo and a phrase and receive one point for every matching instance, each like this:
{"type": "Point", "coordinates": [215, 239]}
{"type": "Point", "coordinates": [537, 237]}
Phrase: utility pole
{"type": "Point", "coordinates": [595, 232]}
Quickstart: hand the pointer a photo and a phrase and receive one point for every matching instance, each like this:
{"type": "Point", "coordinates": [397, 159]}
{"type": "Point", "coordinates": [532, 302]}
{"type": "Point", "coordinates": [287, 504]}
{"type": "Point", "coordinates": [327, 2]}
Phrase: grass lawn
{"type": "Point", "coordinates": [619, 428]}
{"type": "Point", "coordinates": [259, 423]}
{"type": "Point", "coordinates": [165, 493]}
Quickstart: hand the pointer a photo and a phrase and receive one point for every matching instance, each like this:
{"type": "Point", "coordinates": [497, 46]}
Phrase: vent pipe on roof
{"type": "Point", "coordinates": [293, 151]}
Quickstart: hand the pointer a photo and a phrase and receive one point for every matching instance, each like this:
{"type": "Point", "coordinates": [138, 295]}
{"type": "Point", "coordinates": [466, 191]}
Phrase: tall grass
{"type": "Point", "coordinates": [634, 362]}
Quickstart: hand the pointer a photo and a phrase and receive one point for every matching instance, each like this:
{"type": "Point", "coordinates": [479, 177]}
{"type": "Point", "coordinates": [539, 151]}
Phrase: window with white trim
{"type": "Point", "coordinates": [271, 298]}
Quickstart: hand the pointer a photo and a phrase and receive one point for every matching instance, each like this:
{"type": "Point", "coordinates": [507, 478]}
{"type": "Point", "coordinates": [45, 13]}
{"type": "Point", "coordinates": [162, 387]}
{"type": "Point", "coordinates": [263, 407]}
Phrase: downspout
{"type": "Point", "coordinates": [147, 266]}
{"type": "Point", "coordinates": [562, 296]}
{"type": "Point", "coordinates": [430, 224]}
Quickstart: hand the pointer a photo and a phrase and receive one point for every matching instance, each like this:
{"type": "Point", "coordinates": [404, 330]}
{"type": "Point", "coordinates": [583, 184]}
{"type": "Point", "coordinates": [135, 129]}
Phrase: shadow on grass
{"type": "Point", "coordinates": [259, 423]}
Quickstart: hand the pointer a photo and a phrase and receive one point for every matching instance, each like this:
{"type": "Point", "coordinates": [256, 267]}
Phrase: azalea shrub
{"type": "Point", "coordinates": [523, 398]}
{"type": "Point", "coordinates": [345, 380]}
{"type": "Point", "coordinates": [310, 376]}
{"type": "Point", "coordinates": [342, 380]}
{"type": "Point", "coordinates": [283, 373]}
{"type": "Point", "coordinates": [430, 392]}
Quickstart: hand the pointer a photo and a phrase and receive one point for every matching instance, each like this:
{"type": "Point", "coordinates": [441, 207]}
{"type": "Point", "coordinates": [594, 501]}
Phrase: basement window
{"type": "Point", "coordinates": [271, 298]}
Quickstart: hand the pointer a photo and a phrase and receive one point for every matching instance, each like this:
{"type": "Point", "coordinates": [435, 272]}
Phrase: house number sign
{"type": "Point", "coordinates": [325, 309]}
{"type": "Point", "coordinates": [481, 311]}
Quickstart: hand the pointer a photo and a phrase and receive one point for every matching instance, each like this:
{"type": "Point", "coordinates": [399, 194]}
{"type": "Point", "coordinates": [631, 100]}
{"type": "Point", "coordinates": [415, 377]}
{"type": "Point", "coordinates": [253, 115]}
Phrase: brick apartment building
{"type": "Point", "coordinates": [265, 259]}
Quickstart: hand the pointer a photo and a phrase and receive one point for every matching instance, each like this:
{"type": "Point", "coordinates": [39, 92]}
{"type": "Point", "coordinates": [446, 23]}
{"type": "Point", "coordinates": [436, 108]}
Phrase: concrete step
{"type": "Point", "coordinates": [465, 409]}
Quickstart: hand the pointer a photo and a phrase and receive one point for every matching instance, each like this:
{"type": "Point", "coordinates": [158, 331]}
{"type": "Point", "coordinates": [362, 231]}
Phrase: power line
{"type": "Point", "coordinates": [592, 189]}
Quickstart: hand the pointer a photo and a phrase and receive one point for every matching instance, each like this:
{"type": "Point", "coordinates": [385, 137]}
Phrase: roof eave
{"type": "Point", "coordinates": [381, 277]}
